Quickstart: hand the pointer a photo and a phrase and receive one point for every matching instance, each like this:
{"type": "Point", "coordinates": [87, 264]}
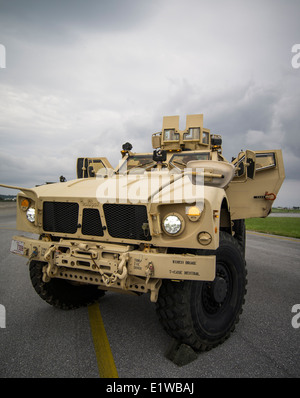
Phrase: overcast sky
{"type": "Point", "coordinates": [83, 77]}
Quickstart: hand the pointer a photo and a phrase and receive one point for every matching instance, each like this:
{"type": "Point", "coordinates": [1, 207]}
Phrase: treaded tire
{"type": "Point", "coordinates": [239, 229]}
{"type": "Point", "coordinates": [203, 314]}
{"type": "Point", "coordinates": [59, 292]}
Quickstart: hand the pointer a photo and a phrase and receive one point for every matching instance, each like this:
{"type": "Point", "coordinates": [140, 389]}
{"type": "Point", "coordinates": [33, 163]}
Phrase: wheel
{"type": "Point", "coordinates": [59, 292]}
{"type": "Point", "coordinates": [240, 233]}
{"type": "Point", "coordinates": [203, 314]}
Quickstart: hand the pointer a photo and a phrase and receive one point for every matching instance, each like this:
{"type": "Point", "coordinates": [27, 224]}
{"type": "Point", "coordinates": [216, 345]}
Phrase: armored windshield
{"type": "Point", "coordinates": [136, 164]}
{"type": "Point", "coordinates": [180, 160]}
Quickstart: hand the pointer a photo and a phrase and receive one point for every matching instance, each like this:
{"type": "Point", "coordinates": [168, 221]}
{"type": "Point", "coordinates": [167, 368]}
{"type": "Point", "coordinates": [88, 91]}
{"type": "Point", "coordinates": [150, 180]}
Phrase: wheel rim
{"type": "Point", "coordinates": [217, 294]}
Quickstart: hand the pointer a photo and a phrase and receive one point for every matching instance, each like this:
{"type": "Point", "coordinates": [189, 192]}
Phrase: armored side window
{"type": "Point", "coordinates": [265, 161]}
{"type": "Point", "coordinates": [205, 137]}
{"type": "Point", "coordinates": [170, 135]}
{"type": "Point", "coordinates": [193, 134]}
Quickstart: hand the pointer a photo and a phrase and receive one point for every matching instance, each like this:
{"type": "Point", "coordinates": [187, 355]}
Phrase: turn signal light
{"type": "Point", "coordinates": [25, 204]}
{"type": "Point", "coordinates": [194, 213]}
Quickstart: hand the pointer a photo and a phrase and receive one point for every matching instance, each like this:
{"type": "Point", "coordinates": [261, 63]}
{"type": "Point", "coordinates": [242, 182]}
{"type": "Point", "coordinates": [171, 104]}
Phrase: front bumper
{"type": "Point", "coordinates": [113, 266]}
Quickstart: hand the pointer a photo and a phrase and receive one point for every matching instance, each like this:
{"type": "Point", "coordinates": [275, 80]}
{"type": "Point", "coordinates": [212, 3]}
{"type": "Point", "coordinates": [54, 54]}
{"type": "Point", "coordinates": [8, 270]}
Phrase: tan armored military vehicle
{"type": "Point", "coordinates": [169, 223]}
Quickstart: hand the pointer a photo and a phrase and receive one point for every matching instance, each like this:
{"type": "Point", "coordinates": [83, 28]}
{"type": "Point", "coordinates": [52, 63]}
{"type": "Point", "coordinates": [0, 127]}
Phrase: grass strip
{"type": "Point", "coordinates": [284, 226]}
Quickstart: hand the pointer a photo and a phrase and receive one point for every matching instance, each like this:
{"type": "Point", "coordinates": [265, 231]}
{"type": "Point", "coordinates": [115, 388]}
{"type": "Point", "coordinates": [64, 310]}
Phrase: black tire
{"type": "Point", "coordinates": [59, 292]}
{"type": "Point", "coordinates": [239, 229]}
{"type": "Point", "coordinates": [203, 314]}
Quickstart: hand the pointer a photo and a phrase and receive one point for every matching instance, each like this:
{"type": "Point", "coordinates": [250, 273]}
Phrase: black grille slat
{"type": "Point", "coordinates": [122, 221]}
{"type": "Point", "coordinates": [91, 222]}
{"type": "Point", "coordinates": [126, 221]}
{"type": "Point", "coordinates": [60, 217]}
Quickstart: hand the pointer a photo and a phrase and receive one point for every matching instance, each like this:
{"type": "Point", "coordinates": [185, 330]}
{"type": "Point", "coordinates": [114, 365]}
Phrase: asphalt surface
{"type": "Point", "coordinates": [41, 341]}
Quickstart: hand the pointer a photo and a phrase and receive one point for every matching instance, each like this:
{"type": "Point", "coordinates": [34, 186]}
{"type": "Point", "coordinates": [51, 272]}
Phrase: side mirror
{"type": "Point", "coordinates": [240, 169]}
{"type": "Point", "coordinates": [82, 166]}
{"type": "Point", "coordinates": [91, 171]}
{"type": "Point", "coordinates": [245, 164]}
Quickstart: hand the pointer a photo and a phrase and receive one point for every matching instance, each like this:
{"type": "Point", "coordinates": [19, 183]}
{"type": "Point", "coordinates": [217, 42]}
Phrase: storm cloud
{"type": "Point", "coordinates": [83, 77]}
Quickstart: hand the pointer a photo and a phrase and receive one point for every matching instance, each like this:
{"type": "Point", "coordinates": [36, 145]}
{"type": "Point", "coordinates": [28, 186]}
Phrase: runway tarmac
{"type": "Point", "coordinates": [41, 341]}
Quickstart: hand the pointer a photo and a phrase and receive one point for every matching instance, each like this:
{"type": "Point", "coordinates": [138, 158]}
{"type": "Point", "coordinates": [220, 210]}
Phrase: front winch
{"type": "Point", "coordinates": [121, 273]}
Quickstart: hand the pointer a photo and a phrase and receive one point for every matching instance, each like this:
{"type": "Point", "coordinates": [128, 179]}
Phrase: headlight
{"type": "Point", "coordinates": [173, 224]}
{"type": "Point", "coordinates": [30, 214]}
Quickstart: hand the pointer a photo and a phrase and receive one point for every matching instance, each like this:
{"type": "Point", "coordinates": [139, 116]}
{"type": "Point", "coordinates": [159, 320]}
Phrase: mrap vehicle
{"type": "Point", "coordinates": [169, 223]}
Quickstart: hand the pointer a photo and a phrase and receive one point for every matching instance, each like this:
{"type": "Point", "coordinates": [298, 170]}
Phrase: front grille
{"type": "Point", "coordinates": [60, 217]}
{"type": "Point", "coordinates": [122, 221]}
{"type": "Point", "coordinates": [91, 222]}
{"type": "Point", "coordinates": [127, 221]}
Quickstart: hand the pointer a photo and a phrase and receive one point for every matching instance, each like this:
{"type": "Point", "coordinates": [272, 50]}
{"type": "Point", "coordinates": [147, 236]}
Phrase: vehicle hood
{"type": "Point", "coordinates": [158, 187]}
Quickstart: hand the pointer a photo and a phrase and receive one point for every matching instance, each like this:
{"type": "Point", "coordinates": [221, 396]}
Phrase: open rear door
{"type": "Point", "coordinates": [258, 179]}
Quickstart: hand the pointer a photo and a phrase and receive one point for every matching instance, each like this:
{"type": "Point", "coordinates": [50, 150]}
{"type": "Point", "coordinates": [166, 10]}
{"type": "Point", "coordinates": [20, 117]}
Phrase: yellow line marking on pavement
{"type": "Point", "coordinates": [273, 236]}
{"type": "Point", "coordinates": [105, 360]}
